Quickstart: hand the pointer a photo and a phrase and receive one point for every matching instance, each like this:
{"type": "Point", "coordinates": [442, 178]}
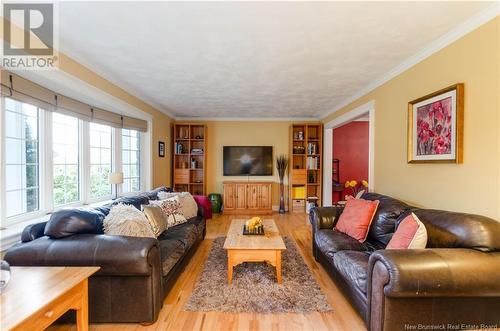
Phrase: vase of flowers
{"type": "Point", "coordinates": [357, 189]}
{"type": "Point", "coordinates": [281, 166]}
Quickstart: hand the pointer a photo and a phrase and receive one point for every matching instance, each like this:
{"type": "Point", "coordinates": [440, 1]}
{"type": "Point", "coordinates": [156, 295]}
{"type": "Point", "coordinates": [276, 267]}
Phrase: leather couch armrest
{"type": "Point", "coordinates": [324, 217]}
{"type": "Point", "coordinates": [116, 255]}
{"type": "Point", "coordinates": [438, 272]}
{"type": "Point", "coordinates": [33, 231]}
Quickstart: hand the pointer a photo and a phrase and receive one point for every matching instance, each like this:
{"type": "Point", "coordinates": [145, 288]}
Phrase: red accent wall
{"type": "Point", "coordinates": [350, 146]}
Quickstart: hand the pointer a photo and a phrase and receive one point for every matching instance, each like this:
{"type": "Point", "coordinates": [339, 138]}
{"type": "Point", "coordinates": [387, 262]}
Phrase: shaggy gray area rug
{"type": "Point", "coordinates": [254, 287]}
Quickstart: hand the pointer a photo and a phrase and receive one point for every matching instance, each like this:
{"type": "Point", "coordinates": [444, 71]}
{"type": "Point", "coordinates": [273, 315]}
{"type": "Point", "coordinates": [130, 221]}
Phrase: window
{"type": "Point", "coordinates": [131, 156]}
{"type": "Point", "coordinates": [65, 159]}
{"type": "Point", "coordinates": [50, 160]}
{"type": "Point", "coordinates": [22, 184]}
{"type": "Point", "coordinates": [100, 160]}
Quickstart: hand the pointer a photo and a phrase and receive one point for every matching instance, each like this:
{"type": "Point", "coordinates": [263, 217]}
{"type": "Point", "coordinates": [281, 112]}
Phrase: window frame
{"type": "Point", "coordinates": [88, 198]}
{"type": "Point", "coordinates": [45, 134]}
{"type": "Point", "coordinates": [140, 164]}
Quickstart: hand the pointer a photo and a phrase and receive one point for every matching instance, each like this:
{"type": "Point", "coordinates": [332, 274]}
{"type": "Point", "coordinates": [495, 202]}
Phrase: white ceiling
{"type": "Point", "coordinates": [251, 59]}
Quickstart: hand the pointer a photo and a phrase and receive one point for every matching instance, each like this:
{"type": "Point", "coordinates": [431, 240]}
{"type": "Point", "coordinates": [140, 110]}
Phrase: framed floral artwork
{"type": "Point", "coordinates": [435, 127]}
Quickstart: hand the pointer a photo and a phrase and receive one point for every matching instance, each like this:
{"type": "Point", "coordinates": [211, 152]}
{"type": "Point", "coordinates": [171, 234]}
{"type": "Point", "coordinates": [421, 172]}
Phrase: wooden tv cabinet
{"type": "Point", "coordinates": [247, 198]}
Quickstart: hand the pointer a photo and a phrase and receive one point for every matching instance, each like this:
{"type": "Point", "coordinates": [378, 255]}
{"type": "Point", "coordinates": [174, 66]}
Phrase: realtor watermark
{"type": "Point", "coordinates": [451, 326]}
{"type": "Point", "coordinates": [30, 37]}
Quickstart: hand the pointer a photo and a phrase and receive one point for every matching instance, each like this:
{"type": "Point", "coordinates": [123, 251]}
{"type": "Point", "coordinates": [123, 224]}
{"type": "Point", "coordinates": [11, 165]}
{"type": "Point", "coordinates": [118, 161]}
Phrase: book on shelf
{"type": "Point", "coordinates": [312, 163]}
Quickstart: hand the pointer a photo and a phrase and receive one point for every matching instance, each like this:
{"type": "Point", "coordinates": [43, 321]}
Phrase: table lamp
{"type": "Point", "coordinates": [116, 178]}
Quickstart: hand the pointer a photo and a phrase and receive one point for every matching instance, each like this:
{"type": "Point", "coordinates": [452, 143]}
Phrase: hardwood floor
{"type": "Point", "coordinates": [173, 317]}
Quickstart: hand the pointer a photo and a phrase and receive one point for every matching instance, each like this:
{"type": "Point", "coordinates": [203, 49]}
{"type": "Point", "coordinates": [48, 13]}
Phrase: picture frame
{"type": "Point", "coordinates": [161, 149]}
{"type": "Point", "coordinates": [435, 126]}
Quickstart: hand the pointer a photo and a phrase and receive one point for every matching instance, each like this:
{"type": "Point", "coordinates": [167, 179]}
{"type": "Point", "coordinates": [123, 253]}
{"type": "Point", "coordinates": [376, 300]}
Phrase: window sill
{"type": "Point", "coordinates": [11, 234]}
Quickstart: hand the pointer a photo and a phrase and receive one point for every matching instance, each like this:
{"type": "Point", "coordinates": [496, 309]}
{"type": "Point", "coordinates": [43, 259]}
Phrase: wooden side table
{"type": "Point", "coordinates": [37, 296]}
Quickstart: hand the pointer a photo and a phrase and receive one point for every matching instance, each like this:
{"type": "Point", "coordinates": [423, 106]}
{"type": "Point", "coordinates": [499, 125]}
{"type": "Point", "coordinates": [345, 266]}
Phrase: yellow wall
{"type": "Point", "coordinates": [222, 133]}
{"type": "Point", "coordinates": [473, 186]}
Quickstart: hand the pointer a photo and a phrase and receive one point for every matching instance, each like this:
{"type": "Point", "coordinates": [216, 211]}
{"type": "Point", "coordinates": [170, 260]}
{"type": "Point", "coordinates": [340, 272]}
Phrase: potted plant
{"type": "Point", "coordinates": [281, 166]}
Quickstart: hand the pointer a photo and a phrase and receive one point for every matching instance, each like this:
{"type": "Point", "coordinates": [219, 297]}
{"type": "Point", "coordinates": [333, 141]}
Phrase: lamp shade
{"type": "Point", "coordinates": [116, 178]}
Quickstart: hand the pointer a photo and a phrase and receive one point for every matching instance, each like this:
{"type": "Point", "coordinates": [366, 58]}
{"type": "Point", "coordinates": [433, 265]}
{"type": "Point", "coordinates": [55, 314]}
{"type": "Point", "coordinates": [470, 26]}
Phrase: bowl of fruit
{"type": "Point", "coordinates": [253, 226]}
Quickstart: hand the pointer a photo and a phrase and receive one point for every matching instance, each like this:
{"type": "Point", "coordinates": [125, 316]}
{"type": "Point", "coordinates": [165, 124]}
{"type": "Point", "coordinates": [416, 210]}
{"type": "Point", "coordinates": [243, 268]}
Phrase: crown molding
{"type": "Point", "coordinates": [451, 36]}
{"type": "Point", "coordinates": [247, 119]}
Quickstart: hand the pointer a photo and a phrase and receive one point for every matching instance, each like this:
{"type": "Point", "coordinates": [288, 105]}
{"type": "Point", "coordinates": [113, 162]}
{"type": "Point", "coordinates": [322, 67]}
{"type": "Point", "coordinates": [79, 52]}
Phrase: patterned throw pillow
{"type": "Point", "coordinates": [171, 209]}
{"type": "Point", "coordinates": [156, 218]}
{"type": "Point", "coordinates": [189, 207]}
{"type": "Point", "coordinates": [410, 234]}
{"type": "Point", "coordinates": [126, 220]}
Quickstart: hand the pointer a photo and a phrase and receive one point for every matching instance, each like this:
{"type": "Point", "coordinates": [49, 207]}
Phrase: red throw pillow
{"type": "Point", "coordinates": [356, 218]}
{"type": "Point", "coordinates": [410, 234]}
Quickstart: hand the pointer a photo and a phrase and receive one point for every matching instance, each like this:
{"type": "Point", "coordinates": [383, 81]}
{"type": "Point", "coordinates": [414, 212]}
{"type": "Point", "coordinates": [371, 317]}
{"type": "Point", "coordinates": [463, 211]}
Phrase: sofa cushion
{"type": "Point", "coordinates": [384, 221]}
{"type": "Point", "coordinates": [171, 251]}
{"type": "Point", "coordinates": [332, 241]}
{"type": "Point", "coordinates": [70, 221]}
{"type": "Point", "coordinates": [353, 266]}
{"type": "Point", "coordinates": [199, 223]}
{"type": "Point", "coordinates": [136, 201]}
{"type": "Point", "coordinates": [185, 233]}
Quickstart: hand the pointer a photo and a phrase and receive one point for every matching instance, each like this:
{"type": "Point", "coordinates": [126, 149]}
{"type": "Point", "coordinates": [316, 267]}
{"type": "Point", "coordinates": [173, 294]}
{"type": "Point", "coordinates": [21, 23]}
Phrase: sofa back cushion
{"type": "Point", "coordinates": [458, 230]}
{"type": "Point", "coordinates": [384, 221]}
{"type": "Point", "coordinates": [66, 222]}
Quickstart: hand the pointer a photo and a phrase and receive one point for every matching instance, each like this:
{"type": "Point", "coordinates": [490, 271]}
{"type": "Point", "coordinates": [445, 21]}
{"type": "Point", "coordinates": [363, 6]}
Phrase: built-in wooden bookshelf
{"type": "Point", "coordinates": [306, 152]}
{"type": "Point", "coordinates": [190, 158]}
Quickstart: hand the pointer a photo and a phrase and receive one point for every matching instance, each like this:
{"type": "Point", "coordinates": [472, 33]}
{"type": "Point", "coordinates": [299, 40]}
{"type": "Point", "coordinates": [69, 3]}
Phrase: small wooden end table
{"type": "Point", "coordinates": [37, 296]}
{"type": "Point", "coordinates": [253, 248]}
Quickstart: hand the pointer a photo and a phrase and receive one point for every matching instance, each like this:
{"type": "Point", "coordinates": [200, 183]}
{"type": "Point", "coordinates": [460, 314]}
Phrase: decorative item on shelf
{"type": "Point", "coordinates": [184, 165]}
{"type": "Point", "coordinates": [281, 166]}
{"type": "Point", "coordinates": [357, 189]}
{"type": "Point", "coordinates": [194, 164]}
{"type": "Point", "coordinates": [197, 151]}
{"type": "Point", "coordinates": [216, 202]}
{"type": "Point", "coordinates": [435, 126]}
{"type": "Point", "coordinates": [116, 178]}
{"type": "Point", "coordinates": [4, 274]}
{"type": "Point", "coordinates": [253, 226]}
{"type": "Point", "coordinates": [179, 149]}
{"type": "Point", "coordinates": [310, 178]}
{"type": "Point", "coordinates": [161, 149]}
{"type": "Point", "coordinates": [300, 135]}
{"type": "Point", "coordinates": [198, 137]}
{"type": "Point", "coordinates": [298, 149]}
{"type": "Point", "coordinates": [311, 148]}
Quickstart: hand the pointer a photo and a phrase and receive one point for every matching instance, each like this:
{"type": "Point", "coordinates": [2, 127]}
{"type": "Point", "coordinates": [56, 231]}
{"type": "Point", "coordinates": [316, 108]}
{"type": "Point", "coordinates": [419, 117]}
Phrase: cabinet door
{"type": "Point", "coordinates": [241, 196]}
{"type": "Point", "coordinates": [229, 197]}
{"type": "Point", "coordinates": [253, 194]}
{"type": "Point", "coordinates": [265, 199]}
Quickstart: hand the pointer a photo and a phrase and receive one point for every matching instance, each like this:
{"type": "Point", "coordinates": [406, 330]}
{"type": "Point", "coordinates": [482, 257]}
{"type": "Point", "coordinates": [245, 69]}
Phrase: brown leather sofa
{"type": "Point", "coordinates": [136, 273]}
{"type": "Point", "coordinates": [453, 283]}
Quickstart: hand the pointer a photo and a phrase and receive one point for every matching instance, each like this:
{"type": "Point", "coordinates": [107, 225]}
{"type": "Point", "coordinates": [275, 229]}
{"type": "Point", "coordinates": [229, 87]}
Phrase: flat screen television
{"type": "Point", "coordinates": [248, 160]}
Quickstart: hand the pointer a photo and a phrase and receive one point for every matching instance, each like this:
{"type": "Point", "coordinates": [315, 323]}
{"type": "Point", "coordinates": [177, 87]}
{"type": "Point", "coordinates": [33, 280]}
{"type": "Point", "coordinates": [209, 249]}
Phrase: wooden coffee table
{"type": "Point", "coordinates": [252, 248]}
{"type": "Point", "coordinates": [37, 296]}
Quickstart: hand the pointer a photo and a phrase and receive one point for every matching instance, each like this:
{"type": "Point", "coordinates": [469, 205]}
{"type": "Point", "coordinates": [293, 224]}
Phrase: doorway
{"type": "Point", "coordinates": [344, 127]}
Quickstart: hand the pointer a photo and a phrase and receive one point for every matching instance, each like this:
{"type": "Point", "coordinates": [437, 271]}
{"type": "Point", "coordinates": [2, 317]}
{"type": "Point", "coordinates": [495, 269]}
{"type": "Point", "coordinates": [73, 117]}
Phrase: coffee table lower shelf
{"type": "Point", "coordinates": [238, 256]}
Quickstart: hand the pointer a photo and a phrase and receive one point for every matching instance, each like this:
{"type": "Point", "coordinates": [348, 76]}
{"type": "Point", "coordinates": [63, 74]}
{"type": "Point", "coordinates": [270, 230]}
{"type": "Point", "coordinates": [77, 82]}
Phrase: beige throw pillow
{"type": "Point", "coordinates": [171, 209]}
{"type": "Point", "coordinates": [156, 218]}
{"type": "Point", "coordinates": [189, 208]}
{"type": "Point", "coordinates": [126, 220]}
